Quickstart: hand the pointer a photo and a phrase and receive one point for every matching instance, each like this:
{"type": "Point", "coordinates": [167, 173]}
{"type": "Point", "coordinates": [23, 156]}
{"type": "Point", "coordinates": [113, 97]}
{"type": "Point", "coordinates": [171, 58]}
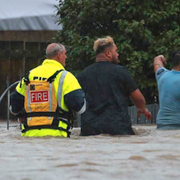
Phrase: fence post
{"type": "Point", "coordinates": [155, 112]}
{"type": "Point", "coordinates": [8, 103]}
{"type": "Point", "coordinates": [78, 120]}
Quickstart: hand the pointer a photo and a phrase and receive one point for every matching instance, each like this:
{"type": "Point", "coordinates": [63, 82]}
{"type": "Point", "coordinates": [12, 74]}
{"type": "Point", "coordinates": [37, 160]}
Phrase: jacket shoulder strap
{"type": "Point", "coordinates": [26, 78]}
{"type": "Point", "coordinates": [51, 78]}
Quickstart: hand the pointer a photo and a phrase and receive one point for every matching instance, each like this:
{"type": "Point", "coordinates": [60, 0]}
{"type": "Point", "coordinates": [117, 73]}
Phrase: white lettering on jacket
{"type": "Point", "coordinates": [39, 96]}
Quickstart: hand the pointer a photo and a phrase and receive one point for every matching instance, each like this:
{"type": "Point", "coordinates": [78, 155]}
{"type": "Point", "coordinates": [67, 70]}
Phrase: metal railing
{"type": "Point", "coordinates": [153, 108]}
{"type": "Point", "coordinates": [7, 91]}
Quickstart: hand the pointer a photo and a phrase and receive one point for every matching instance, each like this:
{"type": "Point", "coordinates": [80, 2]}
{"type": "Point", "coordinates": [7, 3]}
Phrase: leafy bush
{"type": "Point", "coordinates": [141, 30]}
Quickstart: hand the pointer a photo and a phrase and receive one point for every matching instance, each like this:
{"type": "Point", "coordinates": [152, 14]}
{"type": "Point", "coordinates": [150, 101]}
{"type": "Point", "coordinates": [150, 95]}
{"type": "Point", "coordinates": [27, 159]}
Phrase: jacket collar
{"type": "Point", "coordinates": [52, 62]}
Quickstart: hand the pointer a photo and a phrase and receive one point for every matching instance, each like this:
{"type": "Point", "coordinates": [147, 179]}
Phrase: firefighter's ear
{"type": "Point", "coordinates": [59, 55]}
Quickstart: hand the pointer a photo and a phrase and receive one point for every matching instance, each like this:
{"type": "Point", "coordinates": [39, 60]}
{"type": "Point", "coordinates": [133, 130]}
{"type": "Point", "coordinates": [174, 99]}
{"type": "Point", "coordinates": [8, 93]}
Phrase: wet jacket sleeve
{"type": "Point", "coordinates": [75, 101]}
{"type": "Point", "coordinates": [74, 96]}
{"type": "Point", "coordinates": [16, 103]}
{"type": "Point", "coordinates": [17, 99]}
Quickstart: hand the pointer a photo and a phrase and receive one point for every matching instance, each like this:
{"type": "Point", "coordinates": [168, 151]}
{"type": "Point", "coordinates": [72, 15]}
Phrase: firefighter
{"type": "Point", "coordinates": [48, 96]}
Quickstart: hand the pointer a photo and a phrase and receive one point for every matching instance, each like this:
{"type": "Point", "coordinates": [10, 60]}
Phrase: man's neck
{"type": "Point", "coordinates": [176, 68]}
{"type": "Point", "coordinates": [101, 57]}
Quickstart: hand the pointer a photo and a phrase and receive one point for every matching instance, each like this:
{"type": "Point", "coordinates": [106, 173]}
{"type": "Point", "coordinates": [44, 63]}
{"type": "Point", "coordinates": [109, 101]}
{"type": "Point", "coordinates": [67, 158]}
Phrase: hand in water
{"type": "Point", "coordinates": [145, 112]}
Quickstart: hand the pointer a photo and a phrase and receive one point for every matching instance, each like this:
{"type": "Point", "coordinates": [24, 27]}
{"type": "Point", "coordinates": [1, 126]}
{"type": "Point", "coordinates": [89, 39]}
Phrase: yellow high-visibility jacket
{"type": "Point", "coordinates": [65, 95]}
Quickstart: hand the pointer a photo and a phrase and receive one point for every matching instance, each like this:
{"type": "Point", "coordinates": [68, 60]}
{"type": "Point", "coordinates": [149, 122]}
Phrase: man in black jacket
{"type": "Point", "coordinates": [107, 87]}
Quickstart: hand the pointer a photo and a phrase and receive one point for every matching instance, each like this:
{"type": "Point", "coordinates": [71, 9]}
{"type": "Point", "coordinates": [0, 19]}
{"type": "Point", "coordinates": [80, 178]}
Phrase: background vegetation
{"type": "Point", "coordinates": [141, 30]}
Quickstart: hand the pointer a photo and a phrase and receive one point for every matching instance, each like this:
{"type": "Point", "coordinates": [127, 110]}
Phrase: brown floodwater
{"type": "Point", "coordinates": [150, 155]}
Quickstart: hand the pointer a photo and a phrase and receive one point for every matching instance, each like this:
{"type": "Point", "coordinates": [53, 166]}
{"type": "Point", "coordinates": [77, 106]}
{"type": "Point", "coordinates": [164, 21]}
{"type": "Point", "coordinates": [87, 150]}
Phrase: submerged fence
{"type": "Point", "coordinates": [153, 108]}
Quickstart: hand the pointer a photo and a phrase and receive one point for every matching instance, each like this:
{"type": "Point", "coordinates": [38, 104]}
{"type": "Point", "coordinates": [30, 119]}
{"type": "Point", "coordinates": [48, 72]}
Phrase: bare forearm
{"type": "Point", "coordinates": [138, 100]}
{"type": "Point", "coordinates": [140, 103]}
{"type": "Point", "coordinates": [159, 62]}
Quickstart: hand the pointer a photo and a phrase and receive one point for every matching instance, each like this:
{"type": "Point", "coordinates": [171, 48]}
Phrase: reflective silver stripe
{"type": "Point", "coordinates": [64, 119]}
{"type": "Point", "coordinates": [50, 98]}
{"type": "Point", "coordinates": [83, 109]}
{"type": "Point", "coordinates": [60, 87]}
{"type": "Point", "coordinates": [28, 99]}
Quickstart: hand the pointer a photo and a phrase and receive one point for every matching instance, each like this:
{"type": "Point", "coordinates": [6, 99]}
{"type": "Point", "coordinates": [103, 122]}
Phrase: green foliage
{"type": "Point", "coordinates": [141, 30]}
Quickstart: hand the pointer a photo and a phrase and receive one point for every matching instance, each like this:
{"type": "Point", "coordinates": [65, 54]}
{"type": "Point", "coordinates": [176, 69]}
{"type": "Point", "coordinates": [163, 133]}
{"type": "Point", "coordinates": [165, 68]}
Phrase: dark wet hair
{"type": "Point", "coordinates": [175, 58]}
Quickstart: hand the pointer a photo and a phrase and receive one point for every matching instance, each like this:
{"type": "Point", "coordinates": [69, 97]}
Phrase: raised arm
{"type": "Point", "coordinates": [159, 62]}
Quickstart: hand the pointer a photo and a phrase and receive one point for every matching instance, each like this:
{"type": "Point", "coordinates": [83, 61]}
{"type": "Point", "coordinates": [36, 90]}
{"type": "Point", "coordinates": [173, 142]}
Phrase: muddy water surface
{"type": "Point", "coordinates": [150, 155]}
